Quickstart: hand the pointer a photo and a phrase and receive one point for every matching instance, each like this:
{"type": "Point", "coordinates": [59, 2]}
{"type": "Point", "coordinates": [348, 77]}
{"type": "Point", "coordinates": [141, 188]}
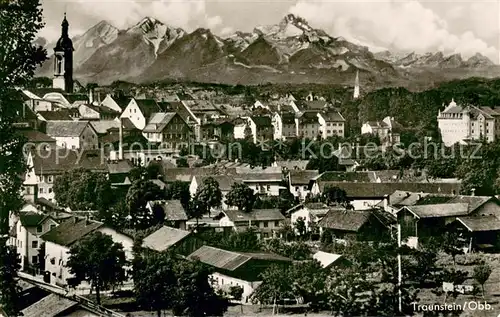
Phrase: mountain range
{"type": "Point", "coordinates": [288, 52]}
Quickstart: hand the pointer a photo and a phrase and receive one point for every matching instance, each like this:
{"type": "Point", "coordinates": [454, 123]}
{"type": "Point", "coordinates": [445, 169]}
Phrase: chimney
{"type": "Point", "coordinates": [473, 192]}
{"type": "Point", "coordinates": [120, 144]}
{"type": "Point", "coordinates": [386, 202]}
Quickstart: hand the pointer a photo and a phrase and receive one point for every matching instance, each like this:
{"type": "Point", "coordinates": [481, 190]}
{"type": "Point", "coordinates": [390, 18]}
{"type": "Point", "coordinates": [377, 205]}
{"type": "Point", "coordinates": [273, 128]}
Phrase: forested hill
{"type": "Point", "coordinates": [419, 109]}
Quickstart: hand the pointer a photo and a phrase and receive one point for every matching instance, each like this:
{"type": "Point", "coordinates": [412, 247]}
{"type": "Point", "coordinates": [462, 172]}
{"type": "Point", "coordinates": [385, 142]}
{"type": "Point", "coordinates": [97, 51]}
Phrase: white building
{"type": "Point", "coordinates": [331, 123]}
{"type": "Point", "coordinates": [387, 130]}
{"type": "Point", "coordinates": [459, 124]}
{"type": "Point", "coordinates": [59, 240]}
{"type": "Point", "coordinates": [236, 269]}
{"type": "Point", "coordinates": [284, 125]}
{"type": "Point", "coordinates": [309, 212]}
{"type": "Point", "coordinates": [73, 135]}
{"type": "Point", "coordinates": [139, 111]}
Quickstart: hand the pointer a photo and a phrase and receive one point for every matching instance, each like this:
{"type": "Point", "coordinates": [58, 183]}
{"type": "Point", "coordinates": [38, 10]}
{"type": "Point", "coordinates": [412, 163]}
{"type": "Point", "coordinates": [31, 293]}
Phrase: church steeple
{"type": "Point", "coordinates": [356, 86]}
{"type": "Point", "coordinates": [63, 60]}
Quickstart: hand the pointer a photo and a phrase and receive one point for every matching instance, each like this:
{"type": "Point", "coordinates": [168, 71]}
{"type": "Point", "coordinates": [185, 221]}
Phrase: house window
{"type": "Point", "coordinates": [276, 223]}
{"type": "Point", "coordinates": [52, 227]}
{"type": "Point", "coordinates": [50, 190]}
{"type": "Point", "coordinates": [49, 179]}
{"type": "Point", "coordinates": [39, 229]}
{"type": "Point", "coordinates": [34, 244]}
{"type": "Point", "coordinates": [34, 259]}
{"type": "Point", "coordinates": [53, 261]}
{"type": "Point", "coordinates": [268, 187]}
{"type": "Point", "coordinates": [296, 188]}
{"type": "Point", "coordinates": [73, 147]}
{"type": "Point", "coordinates": [266, 224]}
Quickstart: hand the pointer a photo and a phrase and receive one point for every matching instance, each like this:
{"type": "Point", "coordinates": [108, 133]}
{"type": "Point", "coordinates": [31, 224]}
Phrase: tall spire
{"type": "Point", "coordinates": [356, 86]}
{"type": "Point", "coordinates": [65, 27]}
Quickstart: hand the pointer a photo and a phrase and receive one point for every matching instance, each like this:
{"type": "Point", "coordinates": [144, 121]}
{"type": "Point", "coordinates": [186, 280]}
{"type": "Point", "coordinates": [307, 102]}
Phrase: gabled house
{"type": "Point", "coordinates": [299, 182]}
{"type": "Point", "coordinates": [175, 215]}
{"type": "Point", "coordinates": [478, 233]}
{"type": "Point", "coordinates": [139, 111]}
{"type": "Point", "coordinates": [310, 213]}
{"type": "Point", "coordinates": [266, 221]}
{"type": "Point", "coordinates": [26, 236]}
{"type": "Point", "coordinates": [363, 195]}
{"type": "Point", "coordinates": [58, 115]}
{"type": "Point", "coordinates": [387, 130]}
{"type": "Point", "coordinates": [35, 102]}
{"type": "Point", "coordinates": [261, 127]}
{"type": "Point", "coordinates": [59, 240]}
{"type": "Point", "coordinates": [37, 140]}
{"type": "Point", "coordinates": [73, 134]}
{"type": "Point", "coordinates": [117, 103]}
{"type": "Point", "coordinates": [89, 112]}
{"type": "Point", "coordinates": [284, 125]}
{"type": "Point", "coordinates": [219, 129]}
{"type": "Point", "coordinates": [308, 125]}
{"type": "Point", "coordinates": [366, 225]}
{"type": "Point", "coordinates": [237, 268]}
{"type": "Point", "coordinates": [168, 130]}
{"type": "Point", "coordinates": [331, 123]}
{"type": "Point", "coordinates": [173, 240]}
{"type": "Point", "coordinates": [420, 222]}
{"type": "Point", "coordinates": [264, 183]}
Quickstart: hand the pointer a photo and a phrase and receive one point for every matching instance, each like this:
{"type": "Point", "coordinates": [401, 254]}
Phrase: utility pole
{"type": "Point", "coordinates": [400, 275]}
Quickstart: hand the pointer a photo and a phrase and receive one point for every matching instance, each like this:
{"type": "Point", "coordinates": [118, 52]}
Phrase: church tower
{"type": "Point", "coordinates": [356, 86]}
{"type": "Point", "coordinates": [63, 60]}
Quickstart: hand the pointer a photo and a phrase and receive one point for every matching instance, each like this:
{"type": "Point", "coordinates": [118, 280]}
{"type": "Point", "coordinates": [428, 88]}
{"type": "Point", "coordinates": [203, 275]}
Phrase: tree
{"type": "Point", "coordinates": [300, 227]}
{"type": "Point", "coordinates": [182, 162]}
{"type": "Point", "coordinates": [154, 170]}
{"type": "Point", "coordinates": [179, 190]}
{"type": "Point", "coordinates": [334, 195]}
{"type": "Point", "coordinates": [236, 292]}
{"type": "Point", "coordinates": [137, 197]}
{"type": "Point", "coordinates": [481, 274]}
{"type": "Point", "coordinates": [97, 260]}
{"type": "Point", "coordinates": [241, 196]}
{"type": "Point", "coordinates": [20, 21]}
{"type": "Point", "coordinates": [155, 281]}
{"type": "Point", "coordinates": [276, 285]}
{"type": "Point", "coordinates": [286, 201]}
{"type": "Point", "coordinates": [81, 189]}
{"type": "Point", "coordinates": [209, 194]}
{"type": "Point", "coordinates": [193, 295]}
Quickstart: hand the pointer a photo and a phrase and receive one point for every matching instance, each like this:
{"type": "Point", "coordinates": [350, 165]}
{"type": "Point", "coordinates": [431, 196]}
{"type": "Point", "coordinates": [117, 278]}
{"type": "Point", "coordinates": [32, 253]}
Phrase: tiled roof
{"type": "Point", "coordinates": [59, 115]}
{"type": "Point", "coordinates": [481, 223]}
{"type": "Point", "coordinates": [332, 116]}
{"type": "Point", "coordinates": [256, 177]}
{"type": "Point", "coordinates": [172, 208]}
{"type": "Point", "coordinates": [474, 202]}
{"type": "Point", "coordinates": [185, 174]}
{"type": "Point", "coordinates": [60, 160]}
{"type": "Point", "coordinates": [164, 238]}
{"type": "Point", "coordinates": [225, 181]}
{"type": "Point", "coordinates": [347, 220]}
{"type": "Point", "coordinates": [122, 101]}
{"type": "Point", "coordinates": [40, 92]}
{"type": "Point", "coordinates": [439, 210]}
{"type": "Point", "coordinates": [76, 97]}
{"type": "Point", "coordinates": [71, 231]}
{"type": "Point", "coordinates": [65, 128]}
{"type": "Point", "coordinates": [344, 177]}
{"type": "Point", "coordinates": [309, 117]}
{"type": "Point", "coordinates": [147, 106]}
{"type": "Point", "coordinates": [49, 306]}
{"type": "Point", "coordinates": [36, 136]}
{"type": "Point", "coordinates": [229, 260]}
{"type": "Point", "coordinates": [293, 164]}
{"type": "Point", "coordinates": [30, 219]}
{"type": "Point", "coordinates": [254, 215]}
{"type": "Point", "coordinates": [262, 121]}
{"type": "Point", "coordinates": [119, 167]}
{"type": "Point", "coordinates": [158, 121]}
{"type": "Point", "coordinates": [376, 190]}
{"type": "Point", "coordinates": [302, 177]}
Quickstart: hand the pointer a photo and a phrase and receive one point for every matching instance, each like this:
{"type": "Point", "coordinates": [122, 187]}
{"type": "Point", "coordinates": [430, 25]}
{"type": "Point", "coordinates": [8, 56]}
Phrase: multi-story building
{"type": "Point", "coordinates": [167, 129]}
{"type": "Point", "coordinates": [284, 125]}
{"type": "Point", "coordinates": [261, 127]}
{"type": "Point", "coordinates": [140, 110]}
{"type": "Point", "coordinates": [459, 123]}
{"type": "Point", "coordinates": [308, 125]}
{"type": "Point", "coordinates": [331, 123]}
{"type": "Point", "coordinates": [386, 130]}
{"type": "Point", "coordinates": [73, 134]}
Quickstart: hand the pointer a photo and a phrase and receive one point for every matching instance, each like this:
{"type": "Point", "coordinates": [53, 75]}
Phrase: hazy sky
{"type": "Point", "coordinates": [464, 27]}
